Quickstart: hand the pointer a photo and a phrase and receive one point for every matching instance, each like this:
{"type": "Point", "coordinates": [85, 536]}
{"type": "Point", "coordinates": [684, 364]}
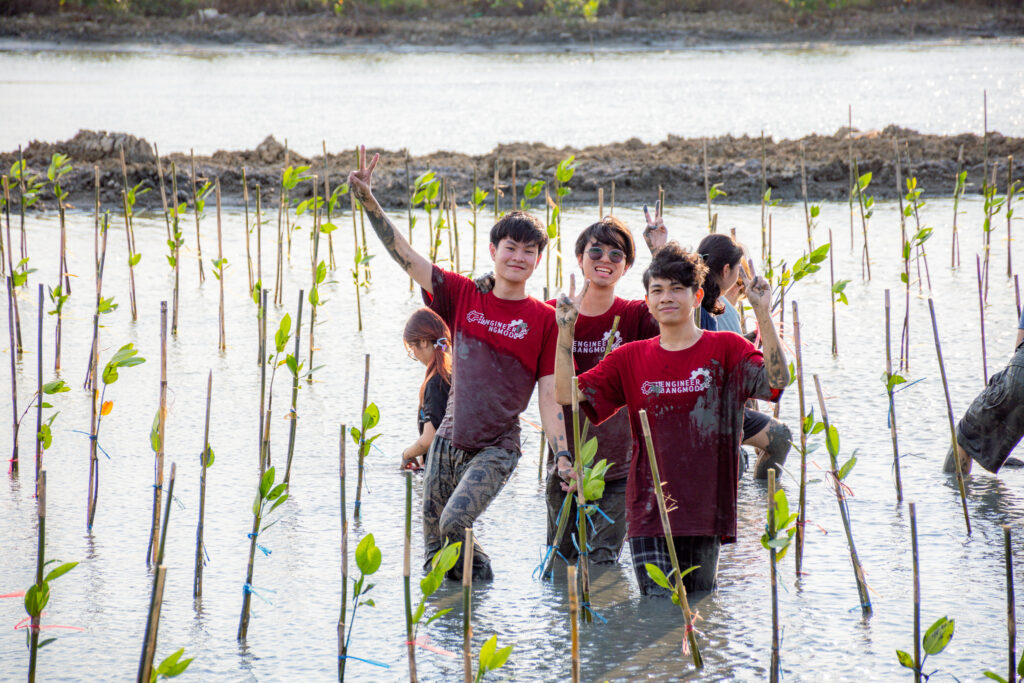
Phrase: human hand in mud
{"type": "Point", "coordinates": [359, 180]}
{"type": "Point", "coordinates": [484, 283]}
{"type": "Point", "coordinates": [567, 473]}
{"type": "Point", "coordinates": [655, 234]}
{"type": "Point", "coordinates": [568, 307]}
{"type": "Point", "coordinates": [758, 291]}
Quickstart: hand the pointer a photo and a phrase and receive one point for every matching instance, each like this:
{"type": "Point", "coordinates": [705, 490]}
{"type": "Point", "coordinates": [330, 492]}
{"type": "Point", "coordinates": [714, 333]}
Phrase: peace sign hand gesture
{"type": "Point", "coordinates": [359, 181]}
{"type": "Point", "coordinates": [655, 234]}
{"type": "Point", "coordinates": [756, 287]}
{"type": "Point", "coordinates": [568, 307]}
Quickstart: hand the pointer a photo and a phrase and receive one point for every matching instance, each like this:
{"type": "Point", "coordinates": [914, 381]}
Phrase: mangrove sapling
{"type": "Point", "coordinates": [785, 278]}
{"type": "Point", "coordinates": [172, 665]}
{"type": "Point", "coordinates": [163, 189]}
{"type": "Point", "coordinates": [371, 416]}
{"type": "Point", "coordinates": [426, 188]}
{"type": "Point", "coordinates": [921, 234]}
{"type": "Point", "coordinates": [993, 205]}
{"type": "Point", "coordinates": [205, 461]}
{"type": "Point", "coordinates": [267, 494]}
{"type": "Point", "coordinates": [563, 174]}
{"type": "Point", "coordinates": [368, 558]}
{"type": "Point", "coordinates": [778, 534]}
{"type": "Point", "coordinates": [156, 439]}
{"type": "Point", "coordinates": [891, 381]}
{"type": "Point", "coordinates": [440, 564]}
{"type": "Point", "coordinates": [810, 212]}
{"type": "Point", "coordinates": [218, 272]}
{"type": "Point", "coordinates": [281, 337]}
{"type": "Point", "coordinates": [293, 175]}
{"type": "Point", "coordinates": [319, 275]}
{"type": "Point", "coordinates": [330, 208]}
{"type": "Point", "coordinates": [467, 607]}
{"type": "Point", "coordinates": [156, 598]}
{"type": "Point", "coordinates": [103, 306]}
{"type": "Point", "coordinates": [174, 243]}
{"type": "Point", "coordinates": [362, 214]}
{"type": "Point", "coordinates": [838, 474]}
{"type": "Point", "coordinates": [838, 290]}
{"type": "Point", "coordinates": [198, 204]}
{"type": "Point", "coordinates": [30, 187]}
{"type": "Point", "coordinates": [294, 368]}
{"type": "Point", "coordinates": [491, 658]}
{"type": "Point", "coordinates": [677, 574]}
{"type": "Point", "coordinates": [960, 484]}
{"type": "Point", "coordinates": [344, 556]}
{"type": "Point", "coordinates": [958, 191]}
{"type": "Point", "coordinates": [125, 357]}
{"type": "Point", "coordinates": [38, 594]}
{"type": "Point", "coordinates": [14, 378]}
{"type": "Point", "coordinates": [477, 203]}
{"type": "Point", "coordinates": [981, 313]}
{"type": "Point", "coordinates": [128, 201]}
{"type": "Point", "coordinates": [44, 430]}
{"type": "Point", "coordinates": [1011, 188]}
{"type": "Point", "coordinates": [867, 208]}
{"type": "Point", "coordinates": [359, 281]}
{"type": "Point", "coordinates": [798, 376]}
{"type": "Point", "coordinates": [531, 190]}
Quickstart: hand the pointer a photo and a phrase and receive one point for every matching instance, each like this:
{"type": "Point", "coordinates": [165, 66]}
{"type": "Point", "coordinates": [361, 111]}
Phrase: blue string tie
{"type": "Point", "coordinates": [249, 588]}
{"type": "Point", "coordinates": [587, 607]}
{"type": "Point", "coordinates": [92, 437]}
{"type": "Point", "coordinates": [266, 551]}
{"type": "Point", "coordinates": [545, 556]}
{"type": "Point", "coordinates": [367, 661]}
{"type": "Point", "coordinates": [591, 508]}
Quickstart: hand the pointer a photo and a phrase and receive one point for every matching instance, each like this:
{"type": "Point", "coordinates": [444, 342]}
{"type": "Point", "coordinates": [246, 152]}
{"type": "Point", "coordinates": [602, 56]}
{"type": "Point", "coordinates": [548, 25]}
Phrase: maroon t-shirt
{"type": "Point", "coordinates": [500, 348]}
{"type": "Point", "coordinates": [614, 437]}
{"type": "Point", "coordinates": [694, 402]}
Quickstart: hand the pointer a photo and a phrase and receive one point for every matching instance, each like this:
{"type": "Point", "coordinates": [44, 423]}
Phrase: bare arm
{"type": "Point", "coordinates": [759, 294]}
{"type": "Point", "coordinates": [420, 446]}
{"type": "Point", "coordinates": [1020, 337]}
{"type": "Point", "coordinates": [551, 414]}
{"type": "Point", "coordinates": [398, 247]}
{"type": "Point", "coordinates": [566, 312]}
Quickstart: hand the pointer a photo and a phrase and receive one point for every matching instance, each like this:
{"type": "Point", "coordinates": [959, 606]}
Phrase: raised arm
{"type": "Point", "coordinates": [655, 234]}
{"type": "Point", "coordinates": [759, 295]}
{"type": "Point", "coordinates": [566, 311]}
{"type": "Point", "coordinates": [398, 247]}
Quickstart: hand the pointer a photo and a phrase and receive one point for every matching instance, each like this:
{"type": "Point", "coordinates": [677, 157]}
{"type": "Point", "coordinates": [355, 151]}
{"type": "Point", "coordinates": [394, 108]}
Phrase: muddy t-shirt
{"type": "Point", "coordinates": [614, 437]}
{"type": "Point", "coordinates": [500, 349]}
{"type": "Point", "coordinates": [694, 402]}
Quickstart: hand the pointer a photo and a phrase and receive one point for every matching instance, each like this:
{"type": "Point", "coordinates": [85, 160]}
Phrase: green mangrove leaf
{"type": "Point", "coordinates": [781, 508]}
{"type": "Point", "coordinates": [266, 482]}
{"type": "Point", "coordinates": [209, 457]}
{"type": "Point", "coordinates": [371, 417]}
{"type": "Point", "coordinates": [820, 254]}
{"type": "Point", "coordinates": [938, 635]}
{"type": "Point", "coordinates": [283, 333]}
{"type": "Point", "coordinates": [905, 659]}
{"type": "Point", "coordinates": [445, 558]}
{"type": "Point", "coordinates": [55, 387]}
{"type": "Point", "coordinates": [277, 503]}
{"type": "Point", "coordinates": [657, 576]}
{"type": "Point", "coordinates": [368, 555]}
{"type": "Point", "coordinates": [420, 609]}
{"type": "Point", "coordinates": [499, 658]}
{"type": "Point", "coordinates": [832, 441]}
{"type": "Point", "coordinates": [994, 676]}
{"type": "Point", "coordinates": [60, 571]}
{"type": "Point", "coordinates": [45, 643]}
{"type": "Point", "coordinates": [487, 651]}
{"type": "Point", "coordinates": [847, 466]}
{"type": "Point", "coordinates": [588, 451]}
{"type": "Point", "coordinates": [276, 492]}
{"type": "Point", "coordinates": [437, 616]}
{"type": "Point", "coordinates": [154, 433]}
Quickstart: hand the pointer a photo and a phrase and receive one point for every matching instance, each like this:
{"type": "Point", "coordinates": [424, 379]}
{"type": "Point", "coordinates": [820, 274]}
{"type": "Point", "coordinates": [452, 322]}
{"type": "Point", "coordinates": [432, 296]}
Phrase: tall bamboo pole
{"type": "Point", "coordinates": [467, 606]}
{"type": "Point", "coordinates": [917, 594]}
{"type": "Point", "coordinates": [163, 190]}
{"type": "Point", "coordinates": [161, 429]}
{"type": "Point", "coordinates": [1009, 216]}
{"type": "Point", "coordinates": [293, 416]}
{"type": "Point", "coordinates": [344, 556]}
{"type": "Point", "coordinates": [204, 463]}
{"type": "Point", "coordinates": [803, 188]}
{"type": "Point", "coordinates": [775, 664]}
{"type": "Point", "coordinates": [131, 255]}
{"type": "Point", "coordinates": [802, 511]}
{"type": "Point", "coordinates": [39, 387]}
{"type": "Point", "coordinates": [892, 403]}
{"type": "Point", "coordinates": [40, 554]}
{"type": "Point", "coordinates": [574, 627]}
{"type": "Point", "coordinates": [981, 314]}
{"type": "Point", "coordinates": [156, 600]}
{"type": "Point", "coordinates": [195, 207]}
{"type": "Point", "coordinates": [14, 379]}
{"type": "Point", "coordinates": [406, 570]}
{"type": "Point", "coordinates": [362, 438]}
{"type": "Point", "coordinates": [248, 252]}
{"type": "Point", "coordinates": [581, 502]}
{"type": "Point", "coordinates": [958, 191]}
{"type": "Point", "coordinates": [1011, 608]}
{"type": "Point", "coordinates": [223, 339]}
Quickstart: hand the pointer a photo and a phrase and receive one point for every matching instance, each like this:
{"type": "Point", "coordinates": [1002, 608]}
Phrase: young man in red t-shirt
{"type": "Point", "coordinates": [693, 384]}
{"type": "Point", "coordinates": [503, 344]}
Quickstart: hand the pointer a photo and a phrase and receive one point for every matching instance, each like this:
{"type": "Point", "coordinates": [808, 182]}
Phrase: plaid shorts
{"type": "Point", "coordinates": [690, 551]}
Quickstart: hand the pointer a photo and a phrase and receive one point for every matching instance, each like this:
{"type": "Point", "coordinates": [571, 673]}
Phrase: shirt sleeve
{"type": "Point", "coordinates": [644, 326]}
{"type": "Point", "coordinates": [549, 341]}
{"type": "Point", "coordinates": [749, 367]}
{"type": "Point", "coordinates": [447, 288]}
{"type": "Point", "coordinates": [435, 400]}
{"type": "Point", "coordinates": [602, 389]}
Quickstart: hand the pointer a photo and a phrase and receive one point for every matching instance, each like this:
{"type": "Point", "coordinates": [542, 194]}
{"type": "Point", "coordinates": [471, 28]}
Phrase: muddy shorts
{"type": "Point", "coordinates": [994, 423]}
{"type": "Point", "coordinates": [606, 530]}
{"type": "Point", "coordinates": [457, 488]}
{"type": "Point", "coordinates": [691, 551]}
{"type": "Point", "coordinates": [754, 421]}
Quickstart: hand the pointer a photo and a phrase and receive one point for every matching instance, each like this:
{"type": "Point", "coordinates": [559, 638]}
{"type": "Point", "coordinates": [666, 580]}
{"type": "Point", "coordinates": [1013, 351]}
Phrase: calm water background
{"type": "Point", "coordinates": [293, 635]}
{"type": "Point", "coordinates": [210, 99]}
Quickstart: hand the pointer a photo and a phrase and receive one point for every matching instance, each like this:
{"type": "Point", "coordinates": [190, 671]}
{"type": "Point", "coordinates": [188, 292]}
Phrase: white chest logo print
{"type": "Point", "coordinates": [700, 379]}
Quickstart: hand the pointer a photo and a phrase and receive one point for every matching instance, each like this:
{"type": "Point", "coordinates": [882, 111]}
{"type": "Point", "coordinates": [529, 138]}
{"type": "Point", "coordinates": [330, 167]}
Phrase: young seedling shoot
{"type": "Point", "coordinates": [777, 536]}
{"type": "Point", "coordinates": [563, 174]}
{"type": "Point", "coordinates": [269, 497]}
{"type": "Point", "coordinates": [866, 203]}
{"type": "Point", "coordinates": [440, 564]}
{"type": "Point", "coordinates": [218, 272]}
{"type": "Point", "coordinates": [531, 190]}
{"type": "Point", "coordinates": [199, 206]}
{"type": "Point", "coordinates": [125, 357]}
{"type": "Point", "coordinates": [44, 432]}
{"type": "Point", "coordinates": [891, 381]}
{"type": "Point", "coordinates": [172, 665]}
{"type": "Point", "coordinates": [156, 440]}
{"type": "Point", "coordinates": [281, 337]}
{"type": "Point", "coordinates": [38, 594]}
{"type": "Point", "coordinates": [205, 462]}
{"type": "Point", "coordinates": [958, 192]}
{"type": "Point", "coordinates": [31, 186]}
{"type": "Point", "coordinates": [479, 198]}
{"type": "Point", "coordinates": [174, 244]}
{"type": "Point", "coordinates": [838, 294]}
{"type": "Point", "coordinates": [368, 559]}
{"type": "Point", "coordinates": [426, 188]}
{"type": "Point", "coordinates": [491, 658]}
{"type": "Point", "coordinates": [359, 261]}
{"type": "Point", "coordinates": [362, 438]}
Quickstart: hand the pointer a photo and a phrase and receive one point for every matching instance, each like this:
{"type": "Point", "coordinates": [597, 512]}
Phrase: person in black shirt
{"type": "Point", "coordinates": [426, 339]}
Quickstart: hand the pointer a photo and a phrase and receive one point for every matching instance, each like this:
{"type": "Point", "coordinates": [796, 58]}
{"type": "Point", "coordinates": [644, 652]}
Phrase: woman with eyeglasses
{"type": "Point", "coordinates": [426, 339]}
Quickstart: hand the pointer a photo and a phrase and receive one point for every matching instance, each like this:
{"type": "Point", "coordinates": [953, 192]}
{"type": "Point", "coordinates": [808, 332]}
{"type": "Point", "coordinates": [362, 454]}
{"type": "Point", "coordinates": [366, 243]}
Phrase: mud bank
{"type": "Point", "coordinates": [760, 23]}
{"type": "Point", "coordinates": [637, 168]}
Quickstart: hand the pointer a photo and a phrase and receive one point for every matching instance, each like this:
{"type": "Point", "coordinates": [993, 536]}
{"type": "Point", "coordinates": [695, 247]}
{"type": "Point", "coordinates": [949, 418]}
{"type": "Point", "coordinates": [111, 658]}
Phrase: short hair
{"type": "Point", "coordinates": [611, 231]}
{"type": "Point", "coordinates": [676, 264]}
{"type": "Point", "coordinates": [521, 227]}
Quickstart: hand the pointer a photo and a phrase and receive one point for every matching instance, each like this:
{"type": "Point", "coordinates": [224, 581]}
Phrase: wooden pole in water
{"type": "Point", "coordinates": [844, 513]}
{"type": "Point", "coordinates": [691, 637]}
{"type": "Point", "coordinates": [9, 265]}
{"type": "Point", "coordinates": [156, 600]}
{"type": "Point", "coordinates": [327, 199]}
{"type": "Point", "coordinates": [344, 557]}
{"type": "Point", "coordinates": [409, 194]}
{"type": "Point", "coordinates": [853, 177]}
{"type": "Point", "coordinates": [175, 249]}
{"type": "Point", "coordinates": [764, 189]}
{"type": "Point", "coordinates": [21, 202]}
{"type": "Point", "coordinates": [39, 387]}
{"type": "Point", "coordinates": [14, 378]}
{"type": "Point", "coordinates": [195, 207]}
{"type": "Point", "coordinates": [905, 252]}
{"type": "Point", "coordinates": [707, 184]}
{"type": "Point", "coordinates": [496, 201]}
{"type": "Point", "coordinates": [16, 344]}
{"type": "Point", "coordinates": [802, 508]}
{"type": "Point", "coordinates": [314, 287]}
{"type": "Point", "coordinates": [574, 628]}
{"type": "Point", "coordinates": [467, 606]}
{"type": "Point", "coordinates": [406, 562]}
{"type": "Point", "coordinates": [204, 463]}
{"type": "Point", "coordinates": [223, 340]}
{"type": "Point", "coordinates": [981, 314]}
{"type": "Point", "coordinates": [1011, 608]}
{"type": "Point", "coordinates": [1009, 216]}
{"type": "Point", "coordinates": [293, 416]}
{"type": "Point", "coordinates": [600, 203]}
{"type": "Point", "coordinates": [248, 251]}
{"type": "Point", "coordinates": [958, 190]}
{"type": "Point", "coordinates": [279, 270]}
{"type": "Point", "coordinates": [961, 486]}
{"type": "Point", "coordinates": [163, 190]}
{"type": "Point", "coordinates": [892, 403]}
{"type": "Point", "coordinates": [362, 437]}
{"type": "Point", "coordinates": [774, 670]}
{"type": "Point", "coordinates": [581, 502]}
{"type": "Point", "coordinates": [263, 369]}
{"type": "Point", "coordinates": [515, 190]}
{"type": "Point", "coordinates": [33, 649]}
{"type": "Point", "coordinates": [258, 284]}
{"type": "Point", "coordinates": [832, 292]}
{"type": "Point", "coordinates": [473, 203]}
{"type": "Point", "coordinates": [131, 255]}
{"type": "Point", "coordinates": [611, 208]}
{"type": "Point", "coordinates": [94, 465]}
{"type": "Point", "coordinates": [161, 429]}
{"type": "Point", "coordinates": [1016, 290]}
{"type": "Point", "coordinates": [803, 188]}
{"type": "Point", "coordinates": [917, 593]}
{"type": "Point", "coordinates": [542, 458]}
{"type": "Point", "coordinates": [865, 267]}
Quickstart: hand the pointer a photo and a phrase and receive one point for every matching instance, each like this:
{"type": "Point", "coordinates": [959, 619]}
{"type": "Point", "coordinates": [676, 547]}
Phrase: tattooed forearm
{"type": "Point", "coordinates": [387, 233]}
{"type": "Point", "coordinates": [774, 359]}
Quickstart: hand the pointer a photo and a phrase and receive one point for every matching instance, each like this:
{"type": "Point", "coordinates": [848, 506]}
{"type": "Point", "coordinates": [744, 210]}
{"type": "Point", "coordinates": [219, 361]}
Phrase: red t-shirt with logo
{"type": "Point", "coordinates": [694, 402]}
{"type": "Point", "coordinates": [614, 437]}
{"type": "Point", "coordinates": [500, 348]}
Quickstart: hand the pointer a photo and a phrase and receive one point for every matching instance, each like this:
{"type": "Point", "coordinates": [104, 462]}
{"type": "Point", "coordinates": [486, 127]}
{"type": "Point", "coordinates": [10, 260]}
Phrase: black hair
{"type": "Point", "coordinates": [717, 251]}
{"type": "Point", "coordinates": [522, 227]}
{"type": "Point", "coordinates": [674, 263]}
{"type": "Point", "coordinates": [610, 231]}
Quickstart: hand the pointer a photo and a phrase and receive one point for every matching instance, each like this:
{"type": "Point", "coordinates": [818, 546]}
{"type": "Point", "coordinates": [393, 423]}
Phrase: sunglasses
{"type": "Point", "coordinates": [614, 255]}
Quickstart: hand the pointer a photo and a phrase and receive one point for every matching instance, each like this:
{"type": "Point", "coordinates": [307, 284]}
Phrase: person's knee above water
{"type": "Point", "coordinates": [724, 258]}
{"type": "Point", "coordinates": [993, 425]}
{"type": "Point", "coordinates": [426, 339]}
{"type": "Point", "coordinates": [502, 346]}
{"type": "Point", "coordinates": [693, 384]}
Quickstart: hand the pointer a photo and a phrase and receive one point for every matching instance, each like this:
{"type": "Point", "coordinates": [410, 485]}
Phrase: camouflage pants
{"type": "Point", "coordinates": [604, 537]}
{"type": "Point", "coordinates": [457, 488]}
{"type": "Point", "coordinates": [994, 423]}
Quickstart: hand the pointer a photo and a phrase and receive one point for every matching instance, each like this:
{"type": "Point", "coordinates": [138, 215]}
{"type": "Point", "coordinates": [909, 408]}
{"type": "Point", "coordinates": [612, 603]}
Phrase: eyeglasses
{"type": "Point", "coordinates": [614, 255]}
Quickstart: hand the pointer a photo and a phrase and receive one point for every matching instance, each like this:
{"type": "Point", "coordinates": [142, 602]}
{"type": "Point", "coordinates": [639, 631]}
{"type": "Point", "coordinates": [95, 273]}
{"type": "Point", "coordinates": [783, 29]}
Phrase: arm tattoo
{"type": "Point", "coordinates": [385, 230]}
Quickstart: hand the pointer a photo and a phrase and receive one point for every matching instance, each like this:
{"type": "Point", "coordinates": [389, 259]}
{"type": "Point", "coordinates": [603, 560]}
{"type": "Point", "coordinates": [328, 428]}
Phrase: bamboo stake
{"type": "Point", "coordinates": [177, 251]}
{"type": "Point", "coordinates": [94, 465]}
{"type": "Point", "coordinates": [263, 371]}
{"type": "Point", "coordinates": [958, 191]}
{"type": "Point", "coordinates": [904, 251]}
{"type": "Point", "coordinates": [362, 437]}
{"type": "Point", "coordinates": [14, 378]}
{"type": "Point", "coordinates": [455, 232]}
{"type": "Point", "coordinates": [21, 187]}
{"type": "Point", "coordinates": [467, 606]}
{"type": "Point", "coordinates": [764, 189]}
{"type": "Point", "coordinates": [981, 313]}
{"type": "Point", "coordinates": [163, 190]}
{"type": "Point", "coordinates": [917, 594]}
{"type": "Point", "coordinates": [161, 428]}
{"type": "Point", "coordinates": [1016, 289]}
{"type": "Point", "coordinates": [802, 511]}
{"type": "Point", "coordinates": [131, 256]}
{"type": "Point", "coordinates": [410, 194]}
{"type": "Point", "coordinates": [195, 207]}
{"type": "Point", "coordinates": [574, 628]}
{"type": "Point", "coordinates": [39, 388]}
{"type": "Point", "coordinates": [832, 292]}
{"type": "Point", "coordinates": [684, 604]}
{"type": "Point", "coordinates": [807, 211]}
{"type": "Point", "coordinates": [581, 502]}
{"type": "Point", "coordinates": [707, 185]}
{"type": "Point", "coordinates": [344, 558]}
{"type": "Point", "coordinates": [541, 458]}
{"type": "Point", "coordinates": [40, 554]}
{"type": "Point", "coordinates": [775, 664]}
{"type": "Point", "coordinates": [600, 203]}
{"type": "Point", "coordinates": [9, 265]}
{"type": "Point", "coordinates": [248, 252]}
{"type": "Point", "coordinates": [153, 622]}
{"type": "Point", "coordinates": [853, 177]}
{"type": "Point", "coordinates": [844, 513]}
{"type": "Point", "coordinates": [61, 276]}
{"type": "Point", "coordinates": [279, 271]}
{"type": "Point", "coordinates": [223, 340]}
{"type": "Point", "coordinates": [865, 257]}
{"type": "Point", "coordinates": [204, 463]}
{"type": "Point", "coordinates": [90, 378]}
{"type": "Point", "coordinates": [1011, 609]}
{"type": "Point", "coordinates": [406, 562]}
{"type": "Point", "coordinates": [952, 426]}
{"type": "Point", "coordinates": [923, 253]}
{"type": "Point", "coordinates": [258, 284]}
{"type": "Point", "coordinates": [293, 416]}
{"type": "Point", "coordinates": [496, 201]}
{"type": "Point", "coordinates": [327, 199]}
{"type": "Point", "coordinates": [515, 189]}
{"type": "Point", "coordinates": [611, 208]}
{"type": "Point", "coordinates": [1009, 216]}
{"type": "Point", "coordinates": [473, 202]}
{"type": "Point", "coordinates": [314, 290]}
{"type": "Point", "coordinates": [362, 220]}
{"type": "Point", "coordinates": [16, 344]}
{"type": "Point", "coordinates": [892, 403]}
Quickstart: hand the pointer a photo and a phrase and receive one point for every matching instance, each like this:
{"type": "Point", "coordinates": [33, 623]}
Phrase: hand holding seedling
{"type": "Point", "coordinates": [568, 307]}
{"type": "Point", "coordinates": [655, 234]}
{"type": "Point", "coordinates": [359, 180]}
{"type": "Point", "coordinates": [484, 283]}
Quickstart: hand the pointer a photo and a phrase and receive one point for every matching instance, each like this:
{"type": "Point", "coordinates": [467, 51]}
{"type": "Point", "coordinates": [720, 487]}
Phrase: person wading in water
{"type": "Point", "coordinates": [503, 345]}
{"type": "Point", "coordinates": [426, 339]}
{"type": "Point", "coordinates": [693, 384]}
